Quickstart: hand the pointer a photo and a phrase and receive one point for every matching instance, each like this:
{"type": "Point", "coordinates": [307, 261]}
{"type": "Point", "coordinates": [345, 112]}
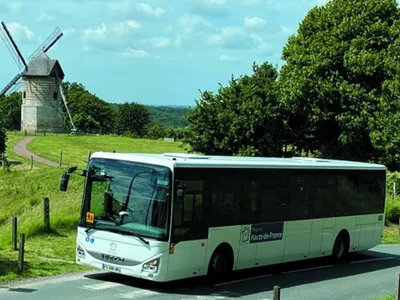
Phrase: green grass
{"type": "Point", "coordinates": [383, 298]}
{"type": "Point", "coordinates": [391, 234]}
{"type": "Point", "coordinates": [23, 191]}
{"type": "Point", "coordinates": [76, 148]}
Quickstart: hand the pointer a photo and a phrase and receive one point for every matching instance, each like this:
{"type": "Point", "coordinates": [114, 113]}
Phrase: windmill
{"type": "Point", "coordinates": [41, 80]}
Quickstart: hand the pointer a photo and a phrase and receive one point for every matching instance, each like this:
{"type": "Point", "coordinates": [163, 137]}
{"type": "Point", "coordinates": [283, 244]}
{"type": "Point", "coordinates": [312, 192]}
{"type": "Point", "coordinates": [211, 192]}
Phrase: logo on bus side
{"type": "Point", "coordinates": [264, 232]}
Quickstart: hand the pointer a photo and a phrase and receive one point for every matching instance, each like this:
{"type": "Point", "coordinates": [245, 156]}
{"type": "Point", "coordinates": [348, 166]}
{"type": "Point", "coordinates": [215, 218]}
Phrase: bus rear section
{"type": "Point", "coordinates": [236, 217]}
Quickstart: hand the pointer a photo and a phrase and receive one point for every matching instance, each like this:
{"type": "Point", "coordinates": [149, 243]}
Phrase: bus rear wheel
{"type": "Point", "coordinates": [340, 248]}
{"type": "Point", "coordinates": [221, 263]}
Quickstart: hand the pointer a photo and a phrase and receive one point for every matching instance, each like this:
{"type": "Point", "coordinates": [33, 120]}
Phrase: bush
{"type": "Point", "coordinates": [392, 212]}
{"type": "Point", "coordinates": [392, 177]}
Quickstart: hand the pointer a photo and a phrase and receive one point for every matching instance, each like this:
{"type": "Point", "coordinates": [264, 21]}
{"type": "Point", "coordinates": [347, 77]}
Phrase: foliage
{"type": "Point", "coordinates": [132, 119]}
{"type": "Point", "coordinates": [89, 112]}
{"type": "Point", "coordinates": [156, 130]}
{"type": "Point", "coordinates": [392, 212]}
{"type": "Point", "coordinates": [169, 116]}
{"type": "Point", "coordinates": [241, 119]}
{"type": "Point", "coordinates": [333, 83]}
{"type": "Point", "coordinates": [10, 111]}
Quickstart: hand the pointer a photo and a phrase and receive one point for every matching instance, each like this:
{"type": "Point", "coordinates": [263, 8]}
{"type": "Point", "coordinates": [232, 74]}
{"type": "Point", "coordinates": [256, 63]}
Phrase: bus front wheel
{"type": "Point", "coordinates": [221, 263]}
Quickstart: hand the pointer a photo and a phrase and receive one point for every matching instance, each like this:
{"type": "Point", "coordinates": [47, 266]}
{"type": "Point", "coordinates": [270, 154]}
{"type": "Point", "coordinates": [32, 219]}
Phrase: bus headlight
{"type": "Point", "coordinates": [151, 266]}
{"type": "Point", "coordinates": [80, 251]}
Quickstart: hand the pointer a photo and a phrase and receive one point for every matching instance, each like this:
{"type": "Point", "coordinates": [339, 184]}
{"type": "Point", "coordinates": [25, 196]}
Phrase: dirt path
{"type": "Point", "coordinates": [20, 148]}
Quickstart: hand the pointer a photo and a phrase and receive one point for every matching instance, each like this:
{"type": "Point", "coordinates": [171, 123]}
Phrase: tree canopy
{"type": "Point", "coordinates": [336, 79]}
{"type": "Point", "coordinates": [242, 118]}
{"type": "Point", "coordinates": [336, 96]}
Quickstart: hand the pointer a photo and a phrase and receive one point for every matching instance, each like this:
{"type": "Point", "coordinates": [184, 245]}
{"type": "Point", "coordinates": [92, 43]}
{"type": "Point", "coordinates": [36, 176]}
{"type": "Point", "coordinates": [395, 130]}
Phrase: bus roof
{"type": "Point", "coordinates": [183, 160]}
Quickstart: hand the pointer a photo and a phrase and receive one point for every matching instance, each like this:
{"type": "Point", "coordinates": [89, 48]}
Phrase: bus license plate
{"type": "Point", "coordinates": [111, 268]}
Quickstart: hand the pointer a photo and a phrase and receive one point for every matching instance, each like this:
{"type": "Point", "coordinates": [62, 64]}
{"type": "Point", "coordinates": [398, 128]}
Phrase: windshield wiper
{"type": "Point", "coordinates": [123, 231]}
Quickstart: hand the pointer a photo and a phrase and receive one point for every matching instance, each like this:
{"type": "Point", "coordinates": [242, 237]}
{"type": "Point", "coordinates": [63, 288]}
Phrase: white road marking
{"type": "Point", "coordinates": [308, 269]}
{"type": "Point", "coordinates": [241, 280]}
{"type": "Point", "coordinates": [101, 286]}
{"type": "Point", "coordinates": [138, 294]}
{"type": "Point", "coordinates": [372, 259]}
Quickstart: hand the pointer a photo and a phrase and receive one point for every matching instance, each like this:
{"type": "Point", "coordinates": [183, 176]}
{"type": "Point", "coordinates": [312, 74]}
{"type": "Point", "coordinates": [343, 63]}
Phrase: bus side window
{"type": "Point", "coordinates": [188, 212]}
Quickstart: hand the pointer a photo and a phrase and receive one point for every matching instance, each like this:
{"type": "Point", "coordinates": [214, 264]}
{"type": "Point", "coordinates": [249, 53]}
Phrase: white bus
{"type": "Point", "coordinates": [166, 217]}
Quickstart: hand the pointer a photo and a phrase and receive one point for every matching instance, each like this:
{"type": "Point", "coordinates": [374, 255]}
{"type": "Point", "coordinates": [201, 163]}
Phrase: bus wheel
{"type": "Point", "coordinates": [340, 248]}
{"type": "Point", "coordinates": [221, 263]}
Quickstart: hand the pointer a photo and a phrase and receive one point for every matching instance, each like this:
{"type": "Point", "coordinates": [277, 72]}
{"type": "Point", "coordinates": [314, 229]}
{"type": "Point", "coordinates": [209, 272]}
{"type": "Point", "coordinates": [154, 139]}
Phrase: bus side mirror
{"type": "Point", "coordinates": [64, 181]}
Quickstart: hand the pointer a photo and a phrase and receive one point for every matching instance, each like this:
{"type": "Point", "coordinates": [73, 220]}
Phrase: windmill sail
{"type": "Point", "coordinates": [11, 84]}
{"type": "Point", "coordinates": [47, 44]}
{"type": "Point", "coordinates": [12, 47]}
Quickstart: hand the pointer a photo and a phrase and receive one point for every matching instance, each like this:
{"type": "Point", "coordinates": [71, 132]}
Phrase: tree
{"type": "Point", "coordinates": [155, 130]}
{"type": "Point", "coordinates": [243, 118]}
{"type": "Point", "coordinates": [10, 111]}
{"type": "Point", "coordinates": [385, 135]}
{"type": "Point", "coordinates": [132, 119]}
{"type": "Point", "coordinates": [89, 112]}
{"type": "Point", "coordinates": [332, 81]}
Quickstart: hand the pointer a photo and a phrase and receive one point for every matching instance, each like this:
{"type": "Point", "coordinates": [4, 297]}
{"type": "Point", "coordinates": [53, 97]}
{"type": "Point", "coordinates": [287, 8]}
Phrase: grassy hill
{"type": "Point", "coordinates": [76, 148]}
{"type": "Point", "coordinates": [23, 191]}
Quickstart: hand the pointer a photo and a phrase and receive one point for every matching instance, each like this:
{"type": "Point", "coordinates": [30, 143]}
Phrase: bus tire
{"type": "Point", "coordinates": [341, 247]}
{"type": "Point", "coordinates": [221, 262]}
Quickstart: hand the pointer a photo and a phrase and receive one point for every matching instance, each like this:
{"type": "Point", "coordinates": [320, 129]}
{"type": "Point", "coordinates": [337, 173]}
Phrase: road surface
{"type": "Point", "coordinates": [366, 275]}
{"type": "Point", "coordinates": [20, 149]}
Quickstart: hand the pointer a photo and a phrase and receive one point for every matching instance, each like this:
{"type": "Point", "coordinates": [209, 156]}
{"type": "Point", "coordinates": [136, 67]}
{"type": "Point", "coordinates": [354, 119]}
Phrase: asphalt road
{"type": "Point", "coordinates": [366, 275]}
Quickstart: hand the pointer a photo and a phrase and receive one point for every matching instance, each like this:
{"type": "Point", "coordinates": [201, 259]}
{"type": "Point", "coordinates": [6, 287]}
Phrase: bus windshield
{"type": "Point", "coordinates": [127, 197]}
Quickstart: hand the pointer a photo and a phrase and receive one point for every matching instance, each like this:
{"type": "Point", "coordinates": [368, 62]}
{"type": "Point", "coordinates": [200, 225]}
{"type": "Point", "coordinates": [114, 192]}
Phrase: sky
{"type": "Point", "coordinates": [152, 52]}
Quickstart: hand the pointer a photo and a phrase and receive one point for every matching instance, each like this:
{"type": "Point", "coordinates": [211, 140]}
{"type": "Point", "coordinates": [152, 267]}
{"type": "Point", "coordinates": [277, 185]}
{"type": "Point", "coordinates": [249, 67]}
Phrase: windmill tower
{"type": "Point", "coordinates": [41, 79]}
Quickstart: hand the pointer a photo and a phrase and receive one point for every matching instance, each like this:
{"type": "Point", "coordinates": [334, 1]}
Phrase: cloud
{"type": "Point", "coordinates": [123, 6]}
{"type": "Point", "coordinates": [132, 53]}
{"type": "Point", "coordinates": [148, 10]}
{"type": "Point", "coordinates": [286, 30]}
{"type": "Point", "coordinates": [128, 7]}
{"type": "Point", "coordinates": [194, 23]}
{"type": "Point", "coordinates": [225, 57]}
{"type": "Point", "coordinates": [16, 6]}
{"type": "Point", "coordinates": [104, 36]}
{"type": "Point", "coordinates": [251, 2]}
{"type": "Point", "coordinates": [212, 8]}
{"type": "Point", "coordinates": [254, 22]}
{"type": "Point", "coordinates": [45, 17]}
{"type": "Point", "coordinates": [231, 37]}
{"type": "Point", "coordinates": [69, 31]}
{"type": "Point", "coordinates": [261, 45]}
{"type": "Point", "coordinates": [21, 33]}
{"type": "Point", "coordinates": [157, 42]}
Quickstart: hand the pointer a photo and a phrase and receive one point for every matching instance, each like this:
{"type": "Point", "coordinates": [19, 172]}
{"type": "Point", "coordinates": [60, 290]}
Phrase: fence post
{"type": "Point", "coordinates": [31, 162]}
{"type": "Point", "coordinates": [89, 154]}
{"type": "Point", "coordinates": [61, 155]}
{"type": "Point", "coordinates": [21, 253]}
{"type": "Point", "coordinates": [397, 292]}
{"type": "Point", "coordinates": [46, 210]}
{"type": "Point", "coordinates": [277, 293]}
{"type": "Point", "coordinates": [14, 233]}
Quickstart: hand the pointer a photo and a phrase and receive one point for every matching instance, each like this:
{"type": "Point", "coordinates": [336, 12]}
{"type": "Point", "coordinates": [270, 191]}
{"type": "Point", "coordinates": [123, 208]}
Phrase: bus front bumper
{"type": "Point", "coordinates": [152, 269]}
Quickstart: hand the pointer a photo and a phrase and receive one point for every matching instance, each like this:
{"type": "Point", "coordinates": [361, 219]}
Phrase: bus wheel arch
{"type": "Point", "coordinates": [341, 246]}
{"type": "Point", "coordinates": [221, 261]}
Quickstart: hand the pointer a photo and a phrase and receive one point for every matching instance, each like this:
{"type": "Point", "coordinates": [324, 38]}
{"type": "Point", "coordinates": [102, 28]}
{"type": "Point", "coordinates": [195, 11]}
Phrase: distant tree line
{"type": "Point", "coordinates": [91, 114]}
